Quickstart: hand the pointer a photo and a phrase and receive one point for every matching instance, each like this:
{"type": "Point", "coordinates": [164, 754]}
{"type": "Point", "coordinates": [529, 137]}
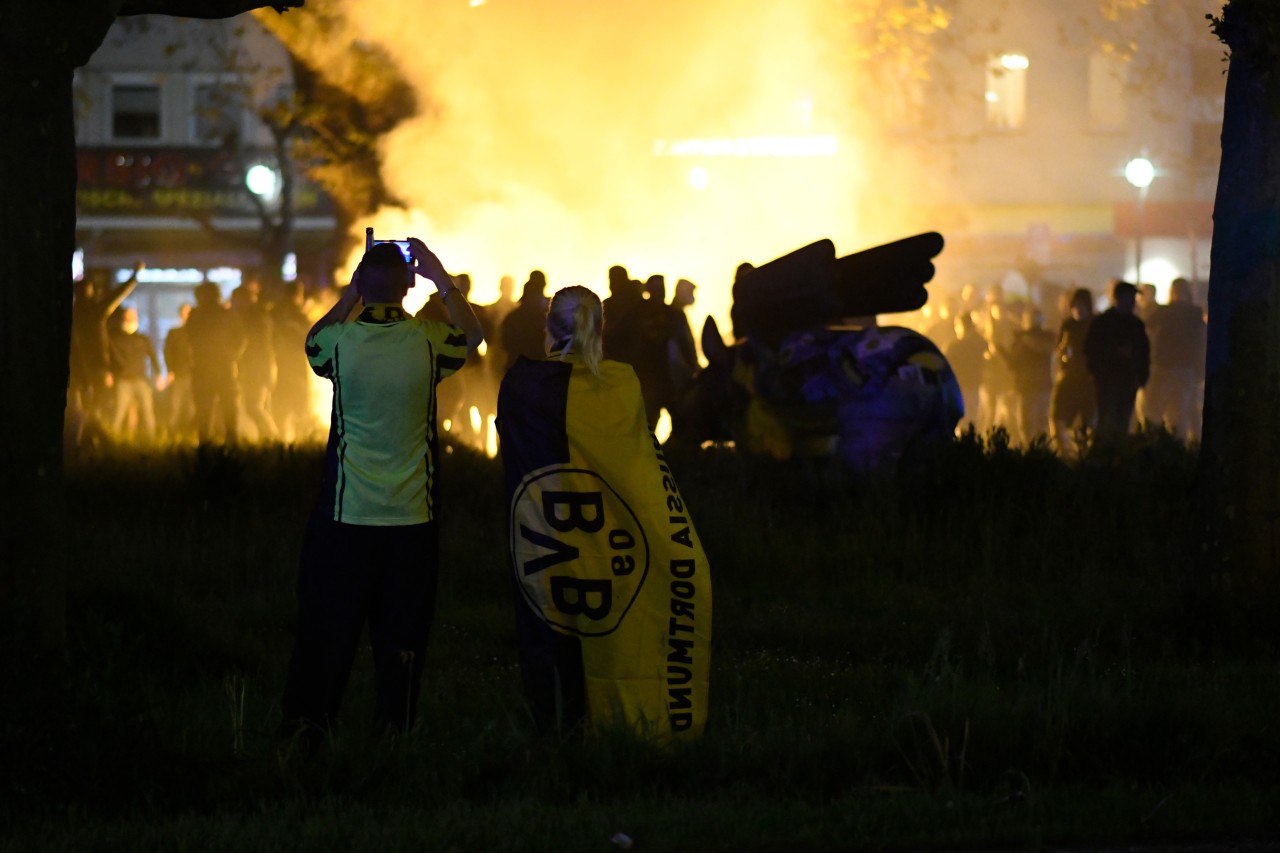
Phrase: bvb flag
{"type": "Point", "coordinates": [612, 588]}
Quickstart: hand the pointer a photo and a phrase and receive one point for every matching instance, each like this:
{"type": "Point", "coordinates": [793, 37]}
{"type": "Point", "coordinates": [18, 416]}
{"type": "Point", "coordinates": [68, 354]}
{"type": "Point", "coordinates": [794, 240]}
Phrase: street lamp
{"type": "Point", "coordinates": [262, 181]}
{"type": "Point", "coordinates": [1140, 173]}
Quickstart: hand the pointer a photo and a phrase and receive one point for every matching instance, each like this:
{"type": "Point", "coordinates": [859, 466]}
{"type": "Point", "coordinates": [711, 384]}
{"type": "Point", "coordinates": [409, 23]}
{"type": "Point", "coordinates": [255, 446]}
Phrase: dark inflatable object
{"type": "Point", "coordinates": [869, 397]}
{"type": "Point", "coordinates": [887, 279]}
{"type": "Point", "coordinates": [795, 291]}
{"type": "Point", "coordinates": [811, 287]}
{"type": "Point", "coordinates": [811, 375]}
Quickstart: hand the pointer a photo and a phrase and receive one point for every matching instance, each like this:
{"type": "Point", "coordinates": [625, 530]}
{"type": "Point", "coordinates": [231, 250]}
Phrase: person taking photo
{"type": "Point", "coordinates": [370, 550]}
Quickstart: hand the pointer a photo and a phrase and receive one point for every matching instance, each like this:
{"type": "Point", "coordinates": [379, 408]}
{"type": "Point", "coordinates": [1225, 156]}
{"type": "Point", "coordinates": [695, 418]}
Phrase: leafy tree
{"type": "Point", "coordinates": [41, 45]}
{"type": "Point", "coordinates": [1239, 475]}
{"type": "Point", "coordinates": [246, 83]}
{"type": "Point", "coordinates": [343, 97]}
{"type": "Point", "coordinates": [347, 95]}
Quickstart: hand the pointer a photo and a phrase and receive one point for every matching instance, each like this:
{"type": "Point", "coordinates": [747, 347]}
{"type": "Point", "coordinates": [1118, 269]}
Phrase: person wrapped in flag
{"type": "Point", "coordinates": [370, 548]}
{"type": "Point", "coordinates": [612, 587]}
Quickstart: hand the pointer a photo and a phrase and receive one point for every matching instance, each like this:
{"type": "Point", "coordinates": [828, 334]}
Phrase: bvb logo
{"type": "Point", "coordinates": [579, 553]}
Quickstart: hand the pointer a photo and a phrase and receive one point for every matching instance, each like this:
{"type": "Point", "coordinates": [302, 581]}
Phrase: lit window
{"type": "Point", "coordinates": [135, 111]}
{"type": "Point", "coordinates": [1107, 107]}
{"type": "Point", "coordinates": [1006, 93]}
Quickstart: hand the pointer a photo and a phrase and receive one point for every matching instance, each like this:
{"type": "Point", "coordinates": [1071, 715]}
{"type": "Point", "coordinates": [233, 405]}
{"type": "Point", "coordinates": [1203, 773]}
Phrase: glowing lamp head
{"type": "Point", "coordinates": [261, 180]}
{"type": "Point", "coordinates": [1139, 172]}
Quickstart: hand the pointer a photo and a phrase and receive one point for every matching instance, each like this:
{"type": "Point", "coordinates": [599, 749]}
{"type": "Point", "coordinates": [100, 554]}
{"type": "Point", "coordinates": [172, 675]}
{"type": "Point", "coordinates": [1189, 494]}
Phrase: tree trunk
{"type": "Point", "coordinates": [41, 45]}
{"type": "Point", "coordinates": [1239, 473]}
{"type": "Point", "coordinates": [38, 52]}
{"type": "Point", "coordinates": [278, 225]}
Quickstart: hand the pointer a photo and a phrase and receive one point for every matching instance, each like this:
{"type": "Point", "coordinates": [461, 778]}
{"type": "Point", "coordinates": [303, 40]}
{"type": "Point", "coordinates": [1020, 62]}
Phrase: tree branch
{"type": "Point", "coordinates": [208, 9]}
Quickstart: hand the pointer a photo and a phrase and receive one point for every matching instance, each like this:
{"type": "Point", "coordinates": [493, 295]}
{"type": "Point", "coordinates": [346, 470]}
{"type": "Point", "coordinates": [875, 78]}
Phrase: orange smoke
{"type": "Point", "coordinates": [566, 136]}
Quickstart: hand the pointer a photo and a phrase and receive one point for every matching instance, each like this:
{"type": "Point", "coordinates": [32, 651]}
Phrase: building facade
{"type": "Point", "coordinates": [178, 170]}
{"type": "Point", "coordinates": [1014, 143]}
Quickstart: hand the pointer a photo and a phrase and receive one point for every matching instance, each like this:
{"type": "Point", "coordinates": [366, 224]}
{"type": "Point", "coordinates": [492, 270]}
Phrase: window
{"type": "Point", "coordinates": [1108, 109]}
{"type": "Point", "coordinates": [135, 111]}
{"type": "Point", "coordinates": [1007, 91]}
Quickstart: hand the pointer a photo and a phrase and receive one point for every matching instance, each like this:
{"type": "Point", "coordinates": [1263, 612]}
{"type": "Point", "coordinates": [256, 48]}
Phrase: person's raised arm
{"type": "Point", "coordinates": [119, 294]}
{"type": "Point", "coordinates": [341, 309]}
{"type": "Point", "coordinates": [427, 265]}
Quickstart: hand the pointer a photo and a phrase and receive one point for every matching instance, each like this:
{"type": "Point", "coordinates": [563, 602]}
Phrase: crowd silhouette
{"type": "Point", "coordinates": [233, 369]}
{"type": "Point", "coordinates": [641, 329]}
{"type": "Point", "coordinates": [1054, 368]}
{"type": "Point", "coordinates": [1066, 371]}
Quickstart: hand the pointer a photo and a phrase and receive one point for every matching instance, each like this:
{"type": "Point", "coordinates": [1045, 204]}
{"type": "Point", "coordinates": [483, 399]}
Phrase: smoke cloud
{"type": "Point", "coordinates": [556, 135]}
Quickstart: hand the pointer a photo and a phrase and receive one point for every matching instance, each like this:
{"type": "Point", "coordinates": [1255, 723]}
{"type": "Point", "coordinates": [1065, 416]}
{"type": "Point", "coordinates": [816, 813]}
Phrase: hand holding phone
{"type": "Point", "coordinates": [419, 258]}
{"type": "Point", "coordinates": [403, 245]}
{"type": "Point", "coordinates": [428, 265]}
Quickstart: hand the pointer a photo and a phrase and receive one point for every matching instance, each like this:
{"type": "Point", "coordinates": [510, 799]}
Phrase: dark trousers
{"type": "Point", "coordinates": [214, 395]}
{"type": "Point", "coordinates": [1115, 406]}
{"type": "Point", "coordinates": [351, 574]}
{"type": "Point", "coordinates": [551, 671]}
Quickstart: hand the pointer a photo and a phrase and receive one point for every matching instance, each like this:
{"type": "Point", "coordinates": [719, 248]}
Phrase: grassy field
{"type": "Point", "coordinates": [995, 650]}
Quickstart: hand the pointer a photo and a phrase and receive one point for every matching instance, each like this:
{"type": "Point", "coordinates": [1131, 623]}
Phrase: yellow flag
{"type": "Point", "coordinates": [605, 560]}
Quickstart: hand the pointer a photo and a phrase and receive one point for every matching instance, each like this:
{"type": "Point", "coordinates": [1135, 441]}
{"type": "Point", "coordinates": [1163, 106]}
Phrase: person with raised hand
{"type": "Point", "coordinates": [370, 551]}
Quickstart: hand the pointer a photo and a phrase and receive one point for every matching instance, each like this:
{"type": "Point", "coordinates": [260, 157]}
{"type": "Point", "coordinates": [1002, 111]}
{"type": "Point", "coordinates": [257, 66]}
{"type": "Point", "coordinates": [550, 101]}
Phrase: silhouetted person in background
{"type": "Point", "coordinates": [131, 354]}
{"type": "Point", "coordinates": [999, 398]}
{"type": "Point", "coordinates": [257, 368]}
{"type": "Point", "coordinates": [969, 300]}
{"type": "Point", "coordinates": [942, 330]}
{"type": "Point", "coordinates": [291, 402]}
{"type": "Point", "coordinates": [1118, 354]}
{"type": "Point", "coordinates": [1145, 304]}
{"type": "Point", "coordinates": [492, 314]}
{"type": "Point", "coordinates": [1073, 404]}
{"type": "Point", "coordinates": [178, 360]}
{"type": "Point", "coordinates": [217, 342]}
{"type": "Point", "coordinates": [524, 326]}
{"type": "Point", "coordinates": [467, 387]}
{"type": "Point", "coordinates": [625, 295]}
{"type": "Point", "coordinates": [652, 329]}
{"type": "Point", "coordinates": [1177, 334]}
{"type": "Point", "coordinates": [88, 396]}
{"type": "Point", "coordinates": [491, 317]}
{"type": "Point", "coordinates": [967, 355]}
{"type": "Point", "coordinates": [1029, 357]}
{"type": "Point", "coordinates": [682, 352]}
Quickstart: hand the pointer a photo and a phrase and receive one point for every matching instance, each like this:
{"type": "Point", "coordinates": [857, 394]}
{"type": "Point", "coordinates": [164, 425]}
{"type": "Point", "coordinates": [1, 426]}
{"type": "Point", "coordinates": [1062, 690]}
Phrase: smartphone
{"type": "Point", "coordinates": [402, 245]}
